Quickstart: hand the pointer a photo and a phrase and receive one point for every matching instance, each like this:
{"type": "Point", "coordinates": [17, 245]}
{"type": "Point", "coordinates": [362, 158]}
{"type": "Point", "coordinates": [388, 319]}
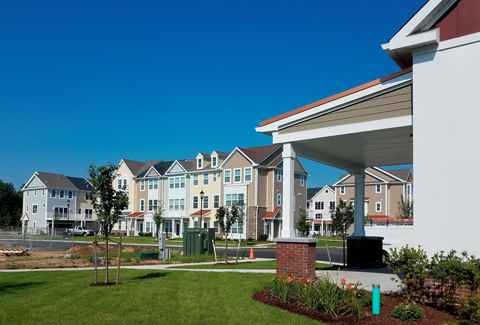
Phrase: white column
{"type": "Point", "coordinates": [359, 218]}
{"type": "Point", "coordinates": [288, 224]}
{"type": "Point", "coordinates": [135, 229]}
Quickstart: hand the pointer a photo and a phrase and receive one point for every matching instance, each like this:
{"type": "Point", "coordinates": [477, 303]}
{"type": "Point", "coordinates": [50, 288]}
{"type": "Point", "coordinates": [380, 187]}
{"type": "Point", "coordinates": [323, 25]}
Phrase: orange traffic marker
{"type": "Point", "coordinates": [251, 253]}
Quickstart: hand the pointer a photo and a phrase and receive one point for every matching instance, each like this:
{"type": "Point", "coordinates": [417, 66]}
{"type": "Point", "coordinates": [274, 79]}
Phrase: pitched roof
{"type": "Point", "coordinates": [204, 212]}
{"type": "Point", "coordinates": [136, 214]}
{"type": "Point", "coordinates": [139, 166]}
{"type": "Point", "coordinates": [271, 215]}
{"type": "Point", "coordinates": [312, 191]}
{"type": "Point", "coordinates": [401, 173]}
{"type": "Point", "coordinates": [56, 180]}
{"type": "Point", "coordinates": [161, 167]}
{"type": "Point", "coordinates": [257, 154]}
{"type": "Point", "coordinates": [222, 154]}
{"type": "Point", "coordinates": [81, 183]}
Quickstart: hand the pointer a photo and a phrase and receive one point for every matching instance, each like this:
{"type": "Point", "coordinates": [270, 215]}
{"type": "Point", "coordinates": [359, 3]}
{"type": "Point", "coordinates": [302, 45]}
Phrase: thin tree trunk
{"type": "Point", "coordinates": [106, 259]}
{"type": "Point", "coordinates": [226, 250]}
{"type": "Point", "coordinates": [119, 258]}
{"type": "Point", "coordinates": [95, 256]}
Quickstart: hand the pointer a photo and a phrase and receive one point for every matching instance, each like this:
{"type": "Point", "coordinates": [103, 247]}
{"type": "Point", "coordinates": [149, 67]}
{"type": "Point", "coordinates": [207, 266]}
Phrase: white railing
{"type": "Point", "coordinates": [73, 216]}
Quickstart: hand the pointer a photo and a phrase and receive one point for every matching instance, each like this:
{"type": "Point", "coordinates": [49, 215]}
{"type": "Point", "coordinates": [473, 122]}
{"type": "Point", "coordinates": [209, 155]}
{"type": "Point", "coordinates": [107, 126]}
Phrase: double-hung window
{"type": "Point", "coordinates": [279, 199]}
{"type": "Point", "coordinates": [182, 182]}
{"type": "Point", "coordinates": [34, 208]}
{"type": "Point", "coordinates": [378, 206]}
{"type": "Point", "coordinates": [142, 205]}
{"type": "Point", "coordinates": [150, 184]}
{"type": "Point", "coordinates": [227, 176]}
{"type": "Point", "coordinates": [214, 161]}
{"type": "Point", "coordinates": [237, 175]}
{"type": "Point", "coordinates": [248, 175]}
{"type": "Point", "coordinates": [216, 201]}
{"type": "Point", "coordinates": [62, 194]}
{"type": "Point", "coordinates": [152, 205]}
{"type": "Point", "coordinates": [70, 194]}
{"type": "Point", "coordinates": [170, 204]}
{"type": "Point", "coordinates": [177, 204]}
{"type": "Point", "coordinates": [214, 177]}
{"type": "Point", "coordinates": [302, 180]}
{"type": "Point", "coordinates": [177, 182]}
{"type": "Point", "coordinates": [279, 175]}
{"type": "Point", "coordinates": [342, 189]}
{"type": "Point", "coordinates": [54, 193]}
{"type": "Point", "coordinates": [378, 188]}
{"type": "Point", "coordinates": [195, 202]}
{"type": "Point", "coordinates": [119, 184]}
{"type": "Point", "coordinates": [182, 204]}
{"type": "Point", "coordinates": [332, 205]}
{"type": "Point", "coordinates": [195, 179]}
{"type": "Point", "coordinates": [205, 202]}
{"type": "Point", "coordinates": [205, 179]}
{"type": "Point", "coordinates": [142, 185]}
{"type": "Point", "coordinates": [172, 182]}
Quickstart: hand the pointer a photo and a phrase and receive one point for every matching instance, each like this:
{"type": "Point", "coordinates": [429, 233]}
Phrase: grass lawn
{"type": "Point", "coordinates": [261, 265]}
{"type": "Point", "coordinates": [125, 240]}
{"type": "Point", "coordinates": [144, 297]}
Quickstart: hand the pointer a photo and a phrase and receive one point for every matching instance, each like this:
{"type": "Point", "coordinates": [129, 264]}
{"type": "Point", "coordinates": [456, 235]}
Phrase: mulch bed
{"type": "Point", "coordinates": [431, 315]}
{"type": "Point", "coordinates": [103, 284]}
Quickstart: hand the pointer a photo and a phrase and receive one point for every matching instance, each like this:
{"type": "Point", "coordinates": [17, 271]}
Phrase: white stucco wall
{"type": "Point", "coordinates": [446, 135]}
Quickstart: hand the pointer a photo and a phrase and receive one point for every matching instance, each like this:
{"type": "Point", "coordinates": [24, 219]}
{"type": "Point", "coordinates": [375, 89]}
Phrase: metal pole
{"type": "Point", "coordinates": [201, 211]}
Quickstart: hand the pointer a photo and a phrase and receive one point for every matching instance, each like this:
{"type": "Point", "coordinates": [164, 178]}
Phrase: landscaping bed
{"type": "Point", "coordinates": [431, 314]}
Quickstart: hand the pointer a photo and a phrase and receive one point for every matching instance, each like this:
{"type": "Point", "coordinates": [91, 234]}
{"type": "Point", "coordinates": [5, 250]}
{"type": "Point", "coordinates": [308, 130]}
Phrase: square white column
{"type": "Point", "coordinates": [288, 223]}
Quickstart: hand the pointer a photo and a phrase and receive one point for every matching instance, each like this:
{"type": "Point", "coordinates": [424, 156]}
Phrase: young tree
{"type": "Point", "coordinates": [159, 217]}
{"type": "Point", "coordinates": [10, 205]}
{"type": "Point", "coordinates": [405, 209]}
{"type": "Point", "coordinates": [342, 219]}
{"type": "Point", "coordinates": [303, 225]}
{"type": "Point", "coordinates": [226, 218]}
{"type": "Point", "coordinates": [241, 214]}
{"type": "Point", "coordinates": [107, 202]}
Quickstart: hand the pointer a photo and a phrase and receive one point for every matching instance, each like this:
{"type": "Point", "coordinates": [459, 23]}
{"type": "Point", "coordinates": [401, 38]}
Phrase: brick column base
{"type": "Point", "coordinates": [296, 256]}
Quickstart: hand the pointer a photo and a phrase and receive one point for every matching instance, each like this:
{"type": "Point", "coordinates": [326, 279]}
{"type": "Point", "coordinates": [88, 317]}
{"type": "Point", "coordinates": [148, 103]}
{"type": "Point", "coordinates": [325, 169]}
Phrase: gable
{"type": "Point", "coordinates": [34, 183]}
{"type": "Point", "coordinates": [463, 18]}
{"type": "Point", "coordinates": [152, 173]}
{"type": "Point", "coordinates": [176, 168]}
{"type": "Point", "coordinates": [237, 159]}
{"type": "Point", "coordinates": [396, 103]}
{"type": "Point", "coordinates": [123, 170]}
{"type": "Point", "coordinates": [383, 176]}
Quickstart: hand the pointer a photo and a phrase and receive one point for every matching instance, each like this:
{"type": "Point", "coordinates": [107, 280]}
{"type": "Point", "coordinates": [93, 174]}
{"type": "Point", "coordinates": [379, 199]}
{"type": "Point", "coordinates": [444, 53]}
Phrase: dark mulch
{"type": "Point", "coordinates": [431, 315]}
{"type": "Point", "coordinates": [103, 284]}
{"type": "Point", "coordinates": [223, 263]}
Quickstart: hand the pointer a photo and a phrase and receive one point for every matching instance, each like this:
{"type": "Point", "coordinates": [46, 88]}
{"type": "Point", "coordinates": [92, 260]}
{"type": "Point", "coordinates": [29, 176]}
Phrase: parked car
{"type": "Point", "coordinates": [82, 231]}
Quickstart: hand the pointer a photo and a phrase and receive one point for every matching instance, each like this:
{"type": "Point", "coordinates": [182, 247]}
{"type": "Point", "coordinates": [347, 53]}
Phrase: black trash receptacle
{"type": "Point", "coordinates": [364, 252]}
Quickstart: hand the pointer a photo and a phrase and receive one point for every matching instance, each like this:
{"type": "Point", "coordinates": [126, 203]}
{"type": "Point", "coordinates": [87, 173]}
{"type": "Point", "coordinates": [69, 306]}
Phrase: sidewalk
{"type": "Point", "coordinates": [366, 277]}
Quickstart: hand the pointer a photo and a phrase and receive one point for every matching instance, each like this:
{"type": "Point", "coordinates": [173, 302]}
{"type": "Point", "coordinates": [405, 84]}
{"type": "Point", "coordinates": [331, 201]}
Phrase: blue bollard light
{"type": "Point", "coordinates": [375, 299]}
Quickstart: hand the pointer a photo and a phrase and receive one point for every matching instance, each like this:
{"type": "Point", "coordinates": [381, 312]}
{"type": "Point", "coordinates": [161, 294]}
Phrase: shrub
{"type": "Point", "coordinates": [140, 234]}
{"type": "Point", "coordinates": [470, 308]}
{"type": "Point", "coordinates": [263, 237]}
{"type": "Point", "coordinates": [408, 313]}
{"type": "Point", "coordinates": [410, 265]}
{"type": "Point", "coordinates": [218, 238]}
{"type": "Point", "coordinates": [249, 239]}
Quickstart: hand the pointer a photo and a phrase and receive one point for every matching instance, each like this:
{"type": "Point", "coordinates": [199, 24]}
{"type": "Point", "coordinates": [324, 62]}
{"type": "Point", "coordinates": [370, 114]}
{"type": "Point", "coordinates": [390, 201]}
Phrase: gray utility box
{"type": "Point", "coordinates": [364, 252]}
{"type": "Point", "coordinates": [198, 241]}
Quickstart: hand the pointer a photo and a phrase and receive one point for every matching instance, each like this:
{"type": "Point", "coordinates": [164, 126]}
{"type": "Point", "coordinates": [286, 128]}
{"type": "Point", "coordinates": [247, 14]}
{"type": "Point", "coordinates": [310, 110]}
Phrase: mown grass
{"type": "Point", "coordinates": [260, 265]}
{"type": "Point", "coordinates": [143, 297]}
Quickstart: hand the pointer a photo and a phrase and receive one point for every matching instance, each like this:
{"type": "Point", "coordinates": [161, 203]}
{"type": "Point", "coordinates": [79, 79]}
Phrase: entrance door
{"type": "Point", "coordinates": [177, 229]}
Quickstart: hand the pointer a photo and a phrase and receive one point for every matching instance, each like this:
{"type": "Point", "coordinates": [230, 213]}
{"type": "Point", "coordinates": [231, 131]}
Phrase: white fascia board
{"type": "Point", "coordinates": [343, 129]}
{"type": "Point", "coordinates": [375, 176]}
{"type": "Point", "coordinates": [388, 174]}
{"type": "Point", "coordinates": [31, 179]}
{"type": "Point", "coordinates": [271, 153]}
{"type": "Point", "coordinates": [231, 155]}
{"type": "Point", "coordinates": [339, 103]}
{"type": "Point", "coordinates": [302, 166]}
{"type": "Point", "coordinates": [416, 40]}
{"type": "Point", "coordinates": [341, 180]}
{"type": "Point", "coordinates": [171, 166]}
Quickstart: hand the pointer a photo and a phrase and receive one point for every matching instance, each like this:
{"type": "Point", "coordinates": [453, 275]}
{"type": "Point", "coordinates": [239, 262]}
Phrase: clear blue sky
{"type": "Point", "coordinates": [98, 81]}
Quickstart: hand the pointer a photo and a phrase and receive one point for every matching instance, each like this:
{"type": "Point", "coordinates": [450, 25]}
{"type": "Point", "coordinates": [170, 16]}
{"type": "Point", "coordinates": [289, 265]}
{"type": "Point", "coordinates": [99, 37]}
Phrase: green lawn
{"type": "Point", "coordinates": [261, 265]}
{"type": "Point", "coordinates": [125, 240]}
{"type": "Point", "coordinates": [144, 297]}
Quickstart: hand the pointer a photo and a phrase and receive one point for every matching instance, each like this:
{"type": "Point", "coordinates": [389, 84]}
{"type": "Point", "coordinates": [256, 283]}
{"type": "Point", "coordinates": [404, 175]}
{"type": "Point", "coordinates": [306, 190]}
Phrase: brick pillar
{"type": "Point", "coordinates": [296, 256]}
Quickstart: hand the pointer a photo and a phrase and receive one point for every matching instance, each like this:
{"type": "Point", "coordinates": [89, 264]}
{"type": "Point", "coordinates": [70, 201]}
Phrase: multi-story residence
{"type": "Point", "coordinates": [320, 201]}
{"type": "Point", "coordinates": [55, 200]}
{"type": "Point", "coordinates": [255, 175]}
{"type": "Point", "coordinates": [383, 190]}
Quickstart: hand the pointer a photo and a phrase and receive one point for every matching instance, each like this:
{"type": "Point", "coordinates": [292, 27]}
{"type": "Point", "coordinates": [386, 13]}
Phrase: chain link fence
{"type": "Point", "coordinates": [37, 238]}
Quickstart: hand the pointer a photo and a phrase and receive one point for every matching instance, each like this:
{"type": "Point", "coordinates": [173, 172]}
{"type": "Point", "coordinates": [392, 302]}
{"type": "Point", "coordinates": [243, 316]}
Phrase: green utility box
{"type": "Point", "coordinates": [198, 241]}
{"type": "Point", "coordinates": [149, 256]}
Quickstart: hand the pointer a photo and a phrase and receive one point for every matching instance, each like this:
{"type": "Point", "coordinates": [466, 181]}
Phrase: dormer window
{"type": "Point", "coordinates": [214, 161]}
{"type": "Point", "coordinates": [199, 163]}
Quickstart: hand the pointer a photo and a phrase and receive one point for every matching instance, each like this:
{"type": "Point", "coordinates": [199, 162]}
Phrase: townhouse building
{"type": "Point", "coordinates": [57, 201]}
{"type": "Point", "coordinates": [320, 201]}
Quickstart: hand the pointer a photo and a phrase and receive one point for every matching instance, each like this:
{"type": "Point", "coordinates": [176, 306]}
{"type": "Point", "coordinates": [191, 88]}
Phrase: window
{"type": "Point", "coordinates": [279, 175]}
{"type": "Point", "coordinates": [199, 163]}
{"type": "Point", "coordinates": [215, 226]}
{"type": "Point", "coordinates": [147, 227]}
{"type": "Point", "coordinates": [153, 184]}
{"type": "Point", "coordinates": [119, 224]}
{"type": "Point", "coordinates": [195, 179]}
{"type": "Point", "coordinates": [28, 193]}
{"type": "Point", "coordinates": [378, 188]}
{"type": "Point", "coordinates": [79, 210]}
{"type": "Point", "coordinates": [233, 199]}
{"type": "Point", "coordinates": [248, 175]}
{"type": "Point", "coordinates": [214, 161]}
{"type": "Point", "coordinates": [237, 175]}
{"type": "Point", "coordinates": [35, 193]}
{"type": "Point", "coordinates": [62, 212]}
{"type": "Point", "coordinates": [170, 204]}
{"type": "Point", "coordinates": [34, 208]}
{"type": "Point", "coordinates": [302, 180]}
{"type": "Point", "coordinates": [185, 227]}
{"type": "Point", "coordinates": [70, 194]}
{"type": "Point", "coordinates": [168, 226]}
{"type": "Point", "coordinates": [142, 205]}
{"type": "Point", "coordinates": [27, 207]}
{"type": "Point", "coordinates": [195, 202]}
{"type": "Point", "coordinates": [142, 185]}
{"type": "Point", "coordinates": [216, 201]}
{"type": "Point", "coordinates": [87, 196]}
{"type": "Point", "coordinates": [342, 189]}
{"type": "Point", "coordinates": [172, 182]}
{"type": "Point", "coordinates": [182, 182]}
{"type": "Point", "coordinates": [214, 177]}
{"type": "Point", "coordinates": [182, 204]}
{"type": "Point", "coordinates": [205, 179]}
{"type": "Point", "coordinates": [378, 206]}
{"type": "Point", "coordinates": [319, 205]}
{"type": "Point", "coordinates": [318, 216]}
{"type": "Point", "coordinates": [62, 194]}
{"type": "Point", "coordinates": [54, 193]}
{"type": "Point", "coordinates": [177, 204]}
{"type": "Point", "coordinates": [326, 191]}
{"type": "Point", "coordinates": [152, 205]}
{"type": "Point", "coordinates": [177, 182]}
{"type": "Point", "coordinates": [236, 229]}
{"type": "Point", "coordinates": [279, 199]}
{"type": "Point", "coordinates": [227, 176]}
{"type": "Point", "coordinates": [125, 183]}
{"type": "Point", "coordinates": [332, 205]}
{"type": "Point", "coordinates": [195, 224]}
{"type": "Point", "coordinates": [205, 202]}
{"type": "Point", "coordinates": [43, 192]}
{"type": "Point", "coordinates": [119, 186]}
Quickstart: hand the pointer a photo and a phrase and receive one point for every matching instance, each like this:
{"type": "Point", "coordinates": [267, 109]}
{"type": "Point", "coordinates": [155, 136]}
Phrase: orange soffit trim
{"type": "Point", "coordinates": [337, 96]}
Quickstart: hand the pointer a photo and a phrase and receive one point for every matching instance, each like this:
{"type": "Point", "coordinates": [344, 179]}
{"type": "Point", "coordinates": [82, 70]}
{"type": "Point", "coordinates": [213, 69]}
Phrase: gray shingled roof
{"type": "Point", "coordinates": [257, 154]}
{"type": "Point", "coordinates": [81, 183]}
{"type": "Point", "coordinates": [312, 191]}
{"type": "Point", "coordinates": [137, 167]}
{"type": "Point", "coordinates": [400, 173]}
{"type": "Point", "coordinates": [66, 182]}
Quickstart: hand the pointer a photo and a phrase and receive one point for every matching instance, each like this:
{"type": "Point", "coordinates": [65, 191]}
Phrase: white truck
{"type": "Point", "coordinates": [82, 231]}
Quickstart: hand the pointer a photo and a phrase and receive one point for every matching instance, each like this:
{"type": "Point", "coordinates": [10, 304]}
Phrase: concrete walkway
{"type": "Point", "coordinates": [366, 277]}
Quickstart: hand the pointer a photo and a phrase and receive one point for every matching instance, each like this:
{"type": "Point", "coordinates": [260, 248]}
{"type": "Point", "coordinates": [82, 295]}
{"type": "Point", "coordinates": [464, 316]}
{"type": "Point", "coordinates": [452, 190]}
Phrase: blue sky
{"type": "Point", "coordinates": [96, 81]}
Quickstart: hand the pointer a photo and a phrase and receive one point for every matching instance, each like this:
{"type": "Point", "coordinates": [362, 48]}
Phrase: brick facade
{"type": "Point", "coordinates": [296, 258]}
{"type": "Point", "coordinates": [437, 288]}
{"type": "Point", "coordinates": [255, 226]}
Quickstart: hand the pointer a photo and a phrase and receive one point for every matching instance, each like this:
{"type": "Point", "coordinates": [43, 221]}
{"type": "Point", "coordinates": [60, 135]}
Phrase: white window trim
{"type": "Point", "coordinates": [225, 175]}
{"type": "Point", "coordinates": [279, 199]}
{"type": "Point", "coordinates": [234, 170]}
{"type": "Point", "coordinates": [378, 206]}
{"type": "Point", "coordinates": [203, 202]}
{"type": "Point", "coordinates": [279, 175]}
{"type": "Point", "coordinates": [342, 189]}
{"type": "Point", "coordinates": [207, 178]}
{"type": "Point", "coordinates": [213, 202]}
{"type": "Point", "coordinates": [378, 188]}
{"type": "Point", "coordinates": [302, 180]}
{"type": "Point", "coordinates": [143, 205]}
{"type": "Point", "coordinates": [142, 181]}
{"type": "Point", "coordinates": [245, 174]}
{"type": "Point", "coordinates": [200, 160]}
{"type": "Point", "coordinates": [214, 177]}
{"type": "Point", "coordinates": [193, 179]}
{"type": "Point", "coordinates": [193, 201]}
{"type": "Point", "coordinates": [216, 161]}
{"type": "Point", "coordinates": [33, 208]}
